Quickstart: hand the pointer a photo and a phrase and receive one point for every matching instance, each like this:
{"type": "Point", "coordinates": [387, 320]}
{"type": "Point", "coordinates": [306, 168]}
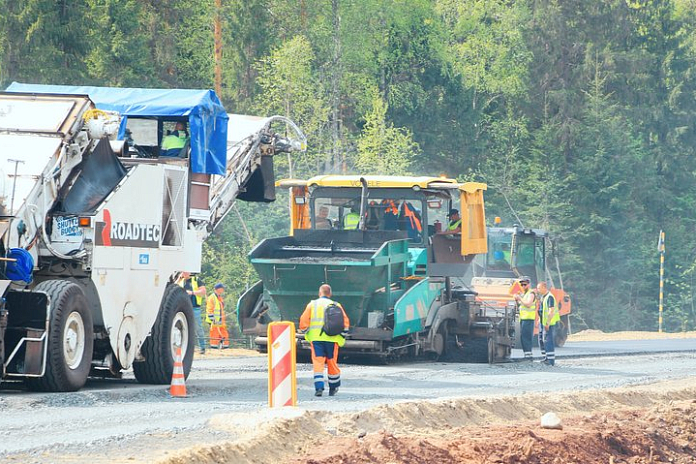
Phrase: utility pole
{"type": "Point", "coordinates": [218, 47]}
{"type": "Point", "coordinates": [661, 250]}
{"type": "Point", "coordinates": [337, 154]}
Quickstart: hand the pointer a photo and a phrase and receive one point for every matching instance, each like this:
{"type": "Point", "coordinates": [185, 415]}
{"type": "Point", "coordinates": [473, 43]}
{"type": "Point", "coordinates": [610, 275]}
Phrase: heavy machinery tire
{"type": "Point", "coordinates": [174, 325]}
{"type": "Point", "coordinates": [561, 332]}
{"type": "Point", "coordinates": [70, 338]}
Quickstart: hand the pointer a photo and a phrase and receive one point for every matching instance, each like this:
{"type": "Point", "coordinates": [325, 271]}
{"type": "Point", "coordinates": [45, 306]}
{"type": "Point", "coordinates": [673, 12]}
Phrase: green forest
{"type": "Point", "coordinates": [578, 114]}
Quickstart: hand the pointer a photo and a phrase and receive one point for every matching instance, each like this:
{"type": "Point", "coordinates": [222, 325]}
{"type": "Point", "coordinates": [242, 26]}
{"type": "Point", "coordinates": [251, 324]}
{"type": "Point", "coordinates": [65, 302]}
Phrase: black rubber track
{"type": "Point", "coordinates": [158, 365]}
{"type": "Point", "coordinates": [65, 298]}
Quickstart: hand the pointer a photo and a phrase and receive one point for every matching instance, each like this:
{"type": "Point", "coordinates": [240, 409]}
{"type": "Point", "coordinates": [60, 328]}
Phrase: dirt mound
{"type": "Point", "coordinates": [443, 414]}
{"type": "Point", "coordinates": [625, 425]}
{"type": "Point", "coordinates": [631, 437]}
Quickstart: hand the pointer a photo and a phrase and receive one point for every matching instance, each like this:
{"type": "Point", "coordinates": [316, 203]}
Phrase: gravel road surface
{"type": "Point", "coordinates": [123, 421]}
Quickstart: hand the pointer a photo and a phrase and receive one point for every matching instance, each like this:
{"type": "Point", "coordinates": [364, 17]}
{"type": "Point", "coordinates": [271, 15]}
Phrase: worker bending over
{"type": "Point", "coordinates": [324, 346]}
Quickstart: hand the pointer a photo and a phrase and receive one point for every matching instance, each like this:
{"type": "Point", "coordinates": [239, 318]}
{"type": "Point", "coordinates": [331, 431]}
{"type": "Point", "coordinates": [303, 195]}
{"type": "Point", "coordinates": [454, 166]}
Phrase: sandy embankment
{"type": "Point", "coordinates": [599, 336]}
{"type": "Point", "coordinates": [645, 424]}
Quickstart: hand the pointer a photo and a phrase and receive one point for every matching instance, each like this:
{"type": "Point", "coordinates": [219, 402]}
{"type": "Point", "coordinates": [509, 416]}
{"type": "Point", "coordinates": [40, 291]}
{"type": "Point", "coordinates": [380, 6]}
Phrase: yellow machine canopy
{"type": "Point", "coordinates": [423, 206]}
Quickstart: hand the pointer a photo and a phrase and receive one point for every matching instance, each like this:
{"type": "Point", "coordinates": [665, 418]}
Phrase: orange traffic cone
{"type": "Point", "coordinates": [178, 386]}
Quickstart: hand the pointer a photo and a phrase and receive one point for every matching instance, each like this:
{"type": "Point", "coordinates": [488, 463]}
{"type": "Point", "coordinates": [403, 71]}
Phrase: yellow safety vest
{"type": "Point", "coordinates": [316, 322]}
{"type": "Point", "coordinates": [546, 310]}
{"type": "Point", "coordinates": [351, 221]}
{"type": "Point", "coordinates": [194, 287]}
{"type": "Point", "coordinates": [454, 225]}
{"type": "Point", "coordinates": [527, 313]}
{"type": "Point", "coordinates": [218, 313]}
{"type": "Point", "coordinates": [174, 141]}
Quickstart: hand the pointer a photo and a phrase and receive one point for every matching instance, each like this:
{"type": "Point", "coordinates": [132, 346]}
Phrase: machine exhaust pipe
{"type": "Point", "coordinates": [363, 203]}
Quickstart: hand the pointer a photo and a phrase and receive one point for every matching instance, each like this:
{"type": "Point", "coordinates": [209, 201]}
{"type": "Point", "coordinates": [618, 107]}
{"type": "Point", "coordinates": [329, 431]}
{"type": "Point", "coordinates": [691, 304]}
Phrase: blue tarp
{"type": "Point", "coordinates": [206, 115]}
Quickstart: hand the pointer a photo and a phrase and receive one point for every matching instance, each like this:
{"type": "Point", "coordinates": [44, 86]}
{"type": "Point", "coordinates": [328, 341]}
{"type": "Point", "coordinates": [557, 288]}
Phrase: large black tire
{"type": "Point", "coordinates": [175, 320]}
{"type": "Point", "coordinates": [70, 338]}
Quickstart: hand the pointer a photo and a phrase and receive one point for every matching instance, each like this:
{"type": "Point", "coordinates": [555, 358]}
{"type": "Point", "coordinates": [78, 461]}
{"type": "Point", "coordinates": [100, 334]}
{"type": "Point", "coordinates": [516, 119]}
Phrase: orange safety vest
{"type": "Point", "coordinates": [215, 309]}
{"type": "Point", "coordinates": [391, 207]}
{"type": "Point", "coordinates": [411, 215]}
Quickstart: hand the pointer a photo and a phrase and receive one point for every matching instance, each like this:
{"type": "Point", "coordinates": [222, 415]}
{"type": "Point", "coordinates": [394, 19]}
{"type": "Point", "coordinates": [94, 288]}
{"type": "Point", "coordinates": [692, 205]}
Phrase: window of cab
{"type": "Point", "coordinates": [412, 212]}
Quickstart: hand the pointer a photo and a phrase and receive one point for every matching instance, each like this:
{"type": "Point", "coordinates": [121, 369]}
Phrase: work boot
{"type": "Point", "coordinates": [333, 391]}
{"type": "Point", "coordinates": [318, 392]}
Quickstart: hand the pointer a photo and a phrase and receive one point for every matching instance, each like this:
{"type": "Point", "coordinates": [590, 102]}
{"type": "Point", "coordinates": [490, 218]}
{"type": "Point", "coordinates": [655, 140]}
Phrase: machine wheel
{"type": "Point", "coordinates": [174, 326]}
{"type": "Point", "coordinates": [70, 338]}
{"type": "Point", "coordinates": [561, 334]}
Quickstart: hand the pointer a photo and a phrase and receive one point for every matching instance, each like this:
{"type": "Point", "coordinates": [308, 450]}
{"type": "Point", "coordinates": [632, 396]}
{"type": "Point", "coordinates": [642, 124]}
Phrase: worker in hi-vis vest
{"type": "Point", "coordinates": [549, 318]}
{"type": "Point", "coordinates": [215, 309]}
{"type": "Point", "coordinates": [351, 220]}
{"type": "Point", "coordinates": [173, 142]}
{"type": "Point", "coordinates": [527, 302]}
{"type": "Point", "coordinates": [455, 223]}
{"type": "Point", "coordinates": [197, 294]}
{"type": "Point", "coordinates": [324, 347]}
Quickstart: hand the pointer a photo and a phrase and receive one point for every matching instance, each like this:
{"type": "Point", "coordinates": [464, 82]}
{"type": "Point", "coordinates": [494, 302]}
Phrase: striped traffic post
{"type": "Point", "coordinates": [282, 380]}
{"type": "Point", "coordinates": [661, 250]}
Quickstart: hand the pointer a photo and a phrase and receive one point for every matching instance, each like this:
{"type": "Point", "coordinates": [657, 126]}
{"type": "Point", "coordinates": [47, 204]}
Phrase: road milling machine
{"type": "Point", "coordinates": [96, 224]}
{"type": "Point", "coordinates": [378, 241]}
{"type": "Point", "coordinates": [514, 252]}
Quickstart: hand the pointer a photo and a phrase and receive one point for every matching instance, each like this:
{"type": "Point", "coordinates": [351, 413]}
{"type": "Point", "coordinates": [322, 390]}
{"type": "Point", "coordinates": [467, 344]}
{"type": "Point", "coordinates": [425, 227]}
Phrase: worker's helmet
{"type": "Point", "coordinates": [452, 212]}
{"type": "Point", "coordinates": [524, 279]}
